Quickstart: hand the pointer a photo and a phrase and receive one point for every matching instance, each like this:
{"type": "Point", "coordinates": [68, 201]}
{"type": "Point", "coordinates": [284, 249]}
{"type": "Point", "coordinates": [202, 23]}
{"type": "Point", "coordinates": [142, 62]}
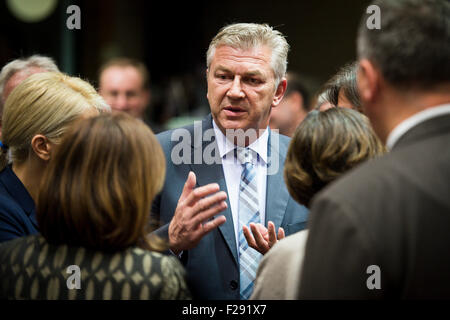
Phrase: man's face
{"type": "Point", "coordinates": [241, 88]}
{"type": "Point", "coordinates": [122, 88]}
{"type": "Point", "coordinates": [288, 114]}
{"type": "Point", "coordinates": [17, 78]}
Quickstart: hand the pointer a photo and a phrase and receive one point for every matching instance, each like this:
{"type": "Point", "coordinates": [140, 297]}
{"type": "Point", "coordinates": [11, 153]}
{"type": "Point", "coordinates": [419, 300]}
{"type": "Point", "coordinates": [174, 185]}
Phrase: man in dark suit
{"type": "Point", "coordinates": [382, 231]}
{"type": "Point", "coordinates": [232, 150]}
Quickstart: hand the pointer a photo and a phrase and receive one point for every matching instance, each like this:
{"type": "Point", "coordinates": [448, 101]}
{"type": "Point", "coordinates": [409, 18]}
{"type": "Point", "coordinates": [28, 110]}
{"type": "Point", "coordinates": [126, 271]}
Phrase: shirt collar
{"type": "Point", "coordinates": [413, 121]}
{"type": "Point", "coordinates": [225, 146]}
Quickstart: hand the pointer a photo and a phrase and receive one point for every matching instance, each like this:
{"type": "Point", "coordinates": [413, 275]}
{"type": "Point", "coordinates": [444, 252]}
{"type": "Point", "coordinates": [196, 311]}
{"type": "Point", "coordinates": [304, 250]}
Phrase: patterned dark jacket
{"type": "Point", "coordinates": [30, 268]}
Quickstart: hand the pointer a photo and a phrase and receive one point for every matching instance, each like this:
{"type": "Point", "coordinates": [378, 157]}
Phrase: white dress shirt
{"type": "Point", "coordinates": [413, 121]}
{"type": "Point", "coordinates": [232, 170]}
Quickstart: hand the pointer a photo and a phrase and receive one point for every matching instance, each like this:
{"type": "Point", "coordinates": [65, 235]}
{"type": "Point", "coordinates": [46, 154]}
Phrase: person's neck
{"type": "Point", "coordinates": [30, 174]}
{"type": "Point", "coordinates": [396, 107]}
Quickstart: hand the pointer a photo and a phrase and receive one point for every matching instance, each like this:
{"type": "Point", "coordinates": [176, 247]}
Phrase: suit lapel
{"type": "Point", "coordinates": [276, 195]}
{"type": "Point", "coordinates": [209, 173]}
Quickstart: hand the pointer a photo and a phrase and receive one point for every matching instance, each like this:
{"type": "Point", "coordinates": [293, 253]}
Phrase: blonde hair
{"type": "Point", "coordinates": [44, 103]}
{"type": "Point", "coordinates": [99, 186]}
{"type": "Point", "coordinates": [250, 35]}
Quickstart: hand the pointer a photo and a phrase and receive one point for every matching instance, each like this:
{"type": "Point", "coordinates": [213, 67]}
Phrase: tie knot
{"type": "Point", "coordinates": [245, 155]}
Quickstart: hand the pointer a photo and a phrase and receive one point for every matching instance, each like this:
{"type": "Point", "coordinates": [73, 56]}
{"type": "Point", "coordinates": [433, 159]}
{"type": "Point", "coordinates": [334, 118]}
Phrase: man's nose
{"type": "Point", "coordinates": [235, 91]}
{"type": "Point", "coordinates": [120, 103]}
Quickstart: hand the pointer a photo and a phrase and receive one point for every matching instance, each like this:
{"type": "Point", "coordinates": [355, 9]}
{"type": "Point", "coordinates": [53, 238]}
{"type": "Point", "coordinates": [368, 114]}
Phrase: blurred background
{"type": "Point", "coordinates": [171, 38]}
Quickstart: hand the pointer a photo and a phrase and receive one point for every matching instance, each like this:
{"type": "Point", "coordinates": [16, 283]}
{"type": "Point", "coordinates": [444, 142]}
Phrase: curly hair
{"type": "Point", "coordinates": [325, 145]}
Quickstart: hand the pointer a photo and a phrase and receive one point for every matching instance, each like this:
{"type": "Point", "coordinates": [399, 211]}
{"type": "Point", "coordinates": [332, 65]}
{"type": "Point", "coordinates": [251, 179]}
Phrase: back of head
{"type": "Point", "coordinates": [99, 186]}
{"type": "Point", "coordinates": [295, 84]}
{"type": "Point", "coordinates": [250, 35]}
{"type": "Point", "coordinates": [343, 82]}
{"type": "Point", "coordinates": [326, 145]}
{"type": "Point", "coordinates": [412, 48]}
{"type": "Point", "coordinates": [44, 103]}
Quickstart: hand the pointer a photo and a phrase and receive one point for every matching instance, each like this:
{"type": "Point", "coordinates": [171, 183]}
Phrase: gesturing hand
{"type": "Point", "coordinates": [195, 209]}
{"type": "Point", "coordinates": [263, 238]}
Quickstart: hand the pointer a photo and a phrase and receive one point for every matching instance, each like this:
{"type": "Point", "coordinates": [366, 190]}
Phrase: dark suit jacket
{"type": "Point", "coordinates": [17, 210]}
{"type": "Point", "coordinates": [394, 213]}
{"type": "Point", "coordinates": [212, 267]}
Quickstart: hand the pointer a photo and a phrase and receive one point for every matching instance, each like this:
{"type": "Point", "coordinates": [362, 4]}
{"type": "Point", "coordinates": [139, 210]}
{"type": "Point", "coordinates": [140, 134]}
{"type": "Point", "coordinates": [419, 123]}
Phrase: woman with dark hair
{"type": "Point", "coordinates": [325, 145]}
{"type": "Point", "coordinates": [93, 210]}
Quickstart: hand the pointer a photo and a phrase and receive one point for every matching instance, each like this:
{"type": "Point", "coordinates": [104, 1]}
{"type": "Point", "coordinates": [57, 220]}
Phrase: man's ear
{"type": "Point", "coordinates": [368, 79]}
{"type": "Point", "coordinates": [41, 147]}
{"type": "Point", "coordinates": [207, 72]}
{"type": "Point", "coordinates": [279, 93]}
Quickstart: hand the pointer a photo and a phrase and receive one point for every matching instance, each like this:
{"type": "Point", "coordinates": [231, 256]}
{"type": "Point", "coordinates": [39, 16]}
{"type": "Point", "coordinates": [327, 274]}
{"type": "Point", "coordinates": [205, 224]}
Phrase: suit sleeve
{"type": "Point", "coordinates": [337, 255]}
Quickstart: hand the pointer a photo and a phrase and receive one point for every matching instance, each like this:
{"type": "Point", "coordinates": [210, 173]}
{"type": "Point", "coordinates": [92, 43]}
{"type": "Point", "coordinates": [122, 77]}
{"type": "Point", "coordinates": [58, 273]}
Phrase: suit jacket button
{"type": "Point", "coordinates": [233, 284]}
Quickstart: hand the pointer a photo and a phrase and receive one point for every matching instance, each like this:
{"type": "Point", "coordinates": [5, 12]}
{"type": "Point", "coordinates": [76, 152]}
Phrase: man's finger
{"type": "Point", "coordinates": [272, 234]}
{"type": "Point", "coordinates": [212, 224]}
{"type": "Point", "coordinates": [205, 215]}
{"type": "Point", "coordinates": [263, 231]}
{"type": "Point", "coordinates": [201, 192]}
{"type": "Point", "coordinates": [188, 186]}
{"type": "Point", "coordinates": [260, 241]}
{"type": "Point", "coordinates": [205, 203]}
{"type": "Point", "coordinates": [281, 234]}
{"type": "Point", "coordinates": [248, 236]}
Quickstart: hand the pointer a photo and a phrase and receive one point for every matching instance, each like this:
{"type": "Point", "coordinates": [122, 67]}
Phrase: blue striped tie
{"type": "Point", "coordinates": [248, 212]}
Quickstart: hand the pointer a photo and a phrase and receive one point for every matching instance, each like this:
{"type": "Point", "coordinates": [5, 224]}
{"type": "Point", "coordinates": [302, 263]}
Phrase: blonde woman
{"type": "Point", "coordinates": [93, 212]}
{"type": "Point", "coordinates": [35, 116]}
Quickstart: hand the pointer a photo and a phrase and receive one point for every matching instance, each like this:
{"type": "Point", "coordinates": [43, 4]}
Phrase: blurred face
{"type": "Point", "coordinates": [17, 78]}
{"type": "Point", "coordinates": [122, 88]}
{"type": "Point", "coordinates": [288, 114]}
{"type": "Point", "coordinates": [241, 88]}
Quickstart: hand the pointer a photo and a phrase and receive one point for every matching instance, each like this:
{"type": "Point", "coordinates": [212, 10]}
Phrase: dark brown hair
{"type": "Point", "coordinates": [99, 186]}
{"type": "Point", "coordinates": [324, 146]}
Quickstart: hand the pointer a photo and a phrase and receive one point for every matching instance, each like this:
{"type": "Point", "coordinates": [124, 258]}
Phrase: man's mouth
{"type": "Point", "coordinates": [233, 111]}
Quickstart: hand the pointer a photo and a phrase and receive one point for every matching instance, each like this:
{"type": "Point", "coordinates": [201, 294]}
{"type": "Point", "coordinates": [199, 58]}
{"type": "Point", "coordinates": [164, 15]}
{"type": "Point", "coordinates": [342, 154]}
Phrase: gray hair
{"type": "Point", "coordinates": [17, 65]}
{"type": "Point", "coordinates": [412, 48]}
{"type": "Point", "coordinates": [249, 35]}
{"type": "Point", "coordinates": [345, 80]}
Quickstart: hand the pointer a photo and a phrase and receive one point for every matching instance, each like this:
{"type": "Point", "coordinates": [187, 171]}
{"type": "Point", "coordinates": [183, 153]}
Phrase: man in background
{"type": "Point", "coordinates": [293, 108]}
{"type": "Point", "coordinates": [382, 230]}
{"type": "Point", "coordinates": [125, 85]}
{"type": "Point", "coordinates": [16, 71]}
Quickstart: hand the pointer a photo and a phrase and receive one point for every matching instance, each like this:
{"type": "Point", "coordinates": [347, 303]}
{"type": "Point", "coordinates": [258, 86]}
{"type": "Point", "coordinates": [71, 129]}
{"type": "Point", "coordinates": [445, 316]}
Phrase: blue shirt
{"type": "Point", "coordinates": [17, 208]}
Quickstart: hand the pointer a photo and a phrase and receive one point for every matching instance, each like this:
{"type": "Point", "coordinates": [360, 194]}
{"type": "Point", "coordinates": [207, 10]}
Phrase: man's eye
{"type": "Point", "coordinates": [254, 80]}
{"type": "Point", "coordinates": [222, 76]}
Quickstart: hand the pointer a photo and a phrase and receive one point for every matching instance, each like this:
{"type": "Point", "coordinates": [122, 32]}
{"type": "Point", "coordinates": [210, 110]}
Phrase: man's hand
{"type": "Point", "coordinates": [194, 213]}
{"type": "Point", "coordinates": [263, 238]}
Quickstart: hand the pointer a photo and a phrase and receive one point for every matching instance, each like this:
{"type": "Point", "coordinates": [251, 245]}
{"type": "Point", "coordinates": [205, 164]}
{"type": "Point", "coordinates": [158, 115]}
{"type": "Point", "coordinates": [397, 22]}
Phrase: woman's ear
{"type": "Point", "coordinates": [41, 146]}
